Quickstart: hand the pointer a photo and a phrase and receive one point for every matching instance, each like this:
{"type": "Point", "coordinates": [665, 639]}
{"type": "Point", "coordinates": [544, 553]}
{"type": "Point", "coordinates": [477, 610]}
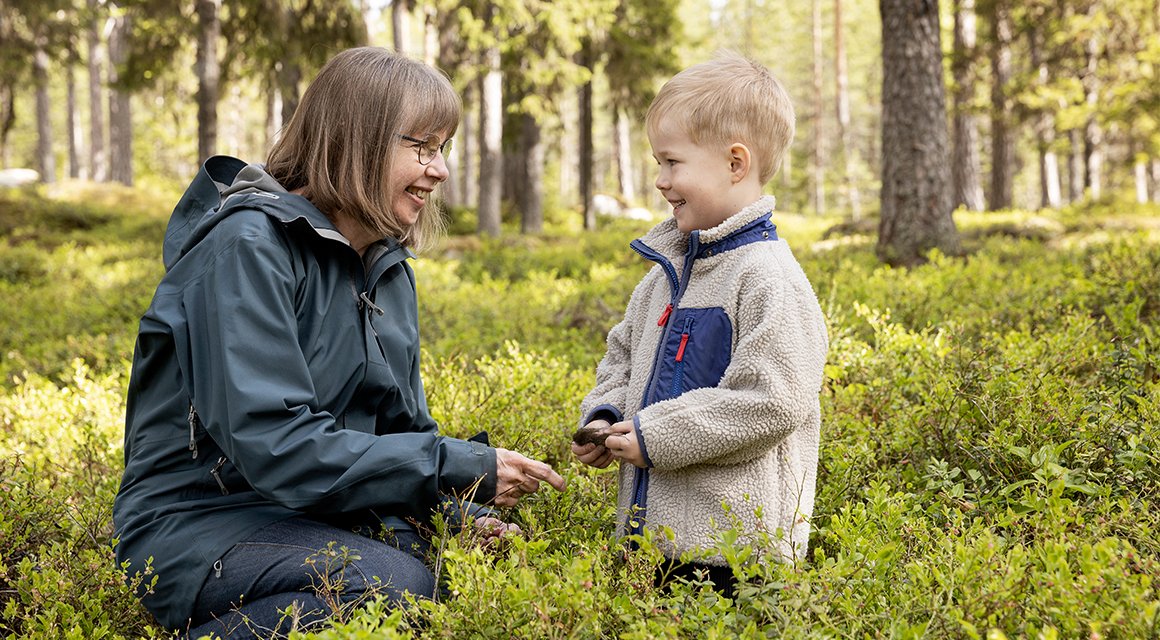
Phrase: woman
{"type": "Point", "coordinates": [275, 405]}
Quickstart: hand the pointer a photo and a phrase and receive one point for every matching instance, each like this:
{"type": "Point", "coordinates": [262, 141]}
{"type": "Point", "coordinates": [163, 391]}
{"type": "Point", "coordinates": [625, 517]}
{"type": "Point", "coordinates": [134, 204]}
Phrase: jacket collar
{"type": "Point", "coordinates": [749, 224]}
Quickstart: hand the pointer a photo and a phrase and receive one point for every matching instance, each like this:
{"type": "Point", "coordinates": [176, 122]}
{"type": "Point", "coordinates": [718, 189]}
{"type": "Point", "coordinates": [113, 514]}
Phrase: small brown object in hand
{"type": "Point", "coordinates": [585, 435]}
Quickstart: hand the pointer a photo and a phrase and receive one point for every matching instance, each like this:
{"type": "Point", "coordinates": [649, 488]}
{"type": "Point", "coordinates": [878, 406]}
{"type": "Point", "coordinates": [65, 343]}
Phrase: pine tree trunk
{"type": "Point", "coordinates": [98, 150]}
{"type": "Point", "coordinates": [208, 77]}
{"type": "Point", "coordinates": [1002, 138]}
{"type": "Point", "coordinates": [916, 181]}
{"type": "Point", "coordinates": [400, 10]}
{"type": "Point", "coordinates": [1049, 190]}
{"type": "Point", "coordinates": [120, 116]}
{"type": "Point", "coordinates": [586, 150]}
{"type": "Point", "coordinates": [7, 120]}
{"type": "Point", "coordinates": [468, 186]}
{"type": "Point", "coordinates": [45, 162]}
{"type": "Point", "coordinates": [1075, 166]}
{"type": "Point", "coordinates": [532, 147]}
{"type": "Point", "coordinates": [817, 168]}
{"type": "Point", "coordinates": [968, 189]}
{"type": "Point", "coordinates": [1093, 133]}
{"type": "Point", "coordinates": [73, 123]}
{"type": "Point", "coordinates": [1154, 178]}
{"type": "Point", "coordinates": [842, 95]}
{"type": "Point", "coordinates": [623, 150]}
{"type": "Point", "coordinates": [490, 139]}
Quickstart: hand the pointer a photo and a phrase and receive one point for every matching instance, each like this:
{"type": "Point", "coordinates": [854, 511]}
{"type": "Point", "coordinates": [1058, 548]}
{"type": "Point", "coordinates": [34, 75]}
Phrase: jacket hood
{"type": "Point", "coordinates": [223, 185]}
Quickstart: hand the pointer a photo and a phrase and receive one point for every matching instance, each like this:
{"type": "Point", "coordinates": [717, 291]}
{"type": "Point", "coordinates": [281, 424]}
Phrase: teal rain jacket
{"type": "Point", "coordinates": [276, 374]}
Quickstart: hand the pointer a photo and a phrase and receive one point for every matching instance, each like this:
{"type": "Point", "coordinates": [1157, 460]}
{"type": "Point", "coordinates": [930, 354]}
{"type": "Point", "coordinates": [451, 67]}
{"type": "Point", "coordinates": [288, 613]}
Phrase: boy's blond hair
{"type": "Point", "coordinates": [729, 99]}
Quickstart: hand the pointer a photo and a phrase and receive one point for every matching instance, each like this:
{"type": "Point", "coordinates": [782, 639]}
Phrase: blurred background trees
{"type": "Point", "coordinates": [1045, 102]}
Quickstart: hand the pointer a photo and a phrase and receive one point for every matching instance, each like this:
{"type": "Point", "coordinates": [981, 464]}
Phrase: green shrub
{"type": "Point", "coordinates": [990, 458]}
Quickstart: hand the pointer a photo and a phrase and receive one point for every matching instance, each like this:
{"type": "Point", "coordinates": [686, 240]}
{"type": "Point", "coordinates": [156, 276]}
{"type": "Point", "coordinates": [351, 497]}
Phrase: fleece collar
{"type": "Point", "coordinates": [667, 239]}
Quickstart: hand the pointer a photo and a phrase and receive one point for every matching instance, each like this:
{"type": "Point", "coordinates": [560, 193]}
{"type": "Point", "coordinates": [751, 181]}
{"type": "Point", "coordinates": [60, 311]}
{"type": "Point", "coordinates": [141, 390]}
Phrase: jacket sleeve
{"type": "Point", "coordinates": [769, 389]}
{"type": "Point", "coordinates": [255, 396]}
{"type": "Point", "coordinates": [607, 399]}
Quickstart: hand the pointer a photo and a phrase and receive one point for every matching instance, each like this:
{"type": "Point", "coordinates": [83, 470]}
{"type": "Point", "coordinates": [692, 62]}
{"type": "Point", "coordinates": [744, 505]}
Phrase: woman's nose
{"type": "Point", "coordinates": [437, 168]}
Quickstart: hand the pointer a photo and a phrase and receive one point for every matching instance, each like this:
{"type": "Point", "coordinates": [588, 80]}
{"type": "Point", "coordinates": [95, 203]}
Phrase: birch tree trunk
{"type": "Point", "coordinates": [968, 189]}
{"type": "Point", "coordinates": [400, 24]}
{"type": "Point", "coordinates": [916, 181]}
{"type": "Point", "coordinates": [1049, 190]}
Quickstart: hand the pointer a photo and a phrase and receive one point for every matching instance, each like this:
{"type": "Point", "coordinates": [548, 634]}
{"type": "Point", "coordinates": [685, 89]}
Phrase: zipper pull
{"type": "Point", "coordinates": [217, 569]}
{"type": "Point", "coordinates": [665, 316]}
{"type": "Point", "coordinates": [684, 339]}
{"type": "Point", "coordinates": [365, 301]}
{"type": "Point", "coordinates": [217, 476]}
{"type": "Point", "coordinates": [193, 430]}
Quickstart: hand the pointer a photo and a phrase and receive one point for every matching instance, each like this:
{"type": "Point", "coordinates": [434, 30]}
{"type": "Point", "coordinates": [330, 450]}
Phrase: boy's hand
{"type": "Point", "coordinates": [624, 445]}
{"type": "Point", "coordinates": [592, 454]}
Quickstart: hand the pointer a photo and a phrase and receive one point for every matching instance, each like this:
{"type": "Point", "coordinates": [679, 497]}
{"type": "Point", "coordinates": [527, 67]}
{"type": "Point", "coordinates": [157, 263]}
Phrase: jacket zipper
{"type": "Point", "coordinates": [193, 430]}
{"type": "Point", "coordinates": [216, 473]}
{"type": "Point", "coordinates": [679, 367]}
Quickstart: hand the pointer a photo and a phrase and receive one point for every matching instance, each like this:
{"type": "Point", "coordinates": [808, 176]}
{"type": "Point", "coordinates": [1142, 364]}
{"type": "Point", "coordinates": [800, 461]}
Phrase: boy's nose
{"type": "Point", "coordinates": [662, 182]}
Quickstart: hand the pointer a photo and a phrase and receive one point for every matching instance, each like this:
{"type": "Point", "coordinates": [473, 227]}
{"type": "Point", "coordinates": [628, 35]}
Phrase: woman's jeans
{"type": "Point", "coordinates": [290, 575]}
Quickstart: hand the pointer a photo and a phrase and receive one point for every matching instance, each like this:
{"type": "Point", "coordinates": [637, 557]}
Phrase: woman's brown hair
{"type": "Point", "coordinates": [339, 146]}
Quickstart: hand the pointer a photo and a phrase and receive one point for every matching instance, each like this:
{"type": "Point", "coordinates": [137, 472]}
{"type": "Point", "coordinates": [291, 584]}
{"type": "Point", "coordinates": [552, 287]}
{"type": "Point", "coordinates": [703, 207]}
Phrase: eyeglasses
{"type": "Point", "coordinates": [428, 147]}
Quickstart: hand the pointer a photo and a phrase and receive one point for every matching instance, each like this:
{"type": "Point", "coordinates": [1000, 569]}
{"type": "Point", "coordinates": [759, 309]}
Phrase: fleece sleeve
{"type": "Point", "coordinates": [769, 389]}
{"type": "Point", "coordinates": [255, 396]}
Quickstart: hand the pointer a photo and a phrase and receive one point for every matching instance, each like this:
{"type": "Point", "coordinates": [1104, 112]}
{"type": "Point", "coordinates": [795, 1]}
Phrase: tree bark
{"type": "Point", "coordinates": [1093, 133]}
{"type": "Point", "coordinates": [490, 139]}
{"type": "Point", "coordinates": [1002, 140]}
{"type": "Point", "coordinates": [45, 162]}
{"type": "Point", "coordinates": [968, 189]}
{"type": "Point", "coordinates": [1075, 166]}
{"type": "Point", "coordinates": [842, 96]}
{"type": "Point", "coordinates": [98, 151]}
{"type": "Point", "coordinates": [1049, 190]}
{"type": "Point", "coordinates": [916, 182]}
{"type": "Point", "coordinates": [120, 115]}
{"type": "Point", "coordinates": [400, 12]}
{"type": "Point", "coordinates": [586, 150]}
{"type": "Point", "coordinates": [532, 150]}
{"type": "Point", "coordinates": [817, 163]}
{"type": "Point", "coordinates": [623, 149]}
{"type": "Point", "coordinates": [208, 77]}
{"type": "Point", "coordinates": [73, 123]}
{"type": "Point", "coordinates": [7, 120]}
{"type": "Point", "coordinates": [468, 186]}
{"type": "Point", "coordinates": [1141, 175]}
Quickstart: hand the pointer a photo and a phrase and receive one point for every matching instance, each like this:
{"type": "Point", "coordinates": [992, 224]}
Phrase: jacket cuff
{"type": "Point", "coordinates": [465, 462]}
{"type": "Point", "coordinates": [640, 441]}
{"type": "Point", "coordinates": [604, 412]}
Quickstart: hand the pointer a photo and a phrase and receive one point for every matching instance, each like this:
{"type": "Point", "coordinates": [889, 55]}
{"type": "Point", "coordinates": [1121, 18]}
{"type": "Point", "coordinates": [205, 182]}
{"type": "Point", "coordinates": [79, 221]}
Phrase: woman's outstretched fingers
{"type": "Point", "coordinates": [518, 476]}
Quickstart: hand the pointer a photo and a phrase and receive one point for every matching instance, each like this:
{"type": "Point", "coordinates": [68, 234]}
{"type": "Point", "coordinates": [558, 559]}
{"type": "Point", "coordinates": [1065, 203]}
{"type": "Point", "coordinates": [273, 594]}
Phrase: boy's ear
{"type": "Point", "coordinates": [740, 161]}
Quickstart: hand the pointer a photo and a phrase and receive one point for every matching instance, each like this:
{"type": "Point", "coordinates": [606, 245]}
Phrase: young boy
{"type": "Point", "coordinates": [710, 383]}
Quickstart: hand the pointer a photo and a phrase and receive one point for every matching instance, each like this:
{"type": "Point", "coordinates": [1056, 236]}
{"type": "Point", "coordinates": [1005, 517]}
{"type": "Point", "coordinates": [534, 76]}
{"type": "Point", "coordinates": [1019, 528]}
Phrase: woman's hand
{"type": "Point", "coordinates": [519, 476]}
{"type": "Point", "coordinates": [493, 529]}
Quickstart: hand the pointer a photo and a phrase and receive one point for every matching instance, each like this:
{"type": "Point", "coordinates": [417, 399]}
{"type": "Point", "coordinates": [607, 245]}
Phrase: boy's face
{"type": "Point", "coordinates": [697, 180]}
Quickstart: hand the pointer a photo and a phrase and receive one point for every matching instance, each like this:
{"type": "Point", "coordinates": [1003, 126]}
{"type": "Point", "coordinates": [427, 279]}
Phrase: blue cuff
{"type": "Point", "coordinates": [640, 440]}
{"type": "Point", "coordinates": [604, 412]}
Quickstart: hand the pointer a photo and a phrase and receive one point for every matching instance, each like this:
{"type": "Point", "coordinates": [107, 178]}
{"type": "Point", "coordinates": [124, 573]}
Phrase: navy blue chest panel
{"type": "Point", "coordinates": [694, 354]}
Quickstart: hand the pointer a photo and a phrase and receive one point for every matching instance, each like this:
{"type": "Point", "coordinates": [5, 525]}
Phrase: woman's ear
{"type": "Point", "coordinates": [740, 161]}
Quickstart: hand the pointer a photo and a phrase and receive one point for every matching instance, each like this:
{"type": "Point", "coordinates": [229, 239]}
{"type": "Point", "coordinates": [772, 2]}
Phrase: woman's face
{"type": "Point", "coordinates": [412, 181]}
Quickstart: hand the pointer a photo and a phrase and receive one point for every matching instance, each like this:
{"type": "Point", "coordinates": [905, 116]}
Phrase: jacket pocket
{"type": "Point", "coordinates": [698, 348]}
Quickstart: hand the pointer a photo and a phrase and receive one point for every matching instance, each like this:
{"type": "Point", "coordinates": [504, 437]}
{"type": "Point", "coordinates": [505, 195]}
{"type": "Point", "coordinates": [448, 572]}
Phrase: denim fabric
{"type": "Point", "coordinates": [257, 580]}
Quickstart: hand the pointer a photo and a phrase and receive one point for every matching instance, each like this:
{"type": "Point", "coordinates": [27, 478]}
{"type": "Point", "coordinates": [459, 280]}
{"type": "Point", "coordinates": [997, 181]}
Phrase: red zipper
{"type": "Point", "coordinates": [665, 315]}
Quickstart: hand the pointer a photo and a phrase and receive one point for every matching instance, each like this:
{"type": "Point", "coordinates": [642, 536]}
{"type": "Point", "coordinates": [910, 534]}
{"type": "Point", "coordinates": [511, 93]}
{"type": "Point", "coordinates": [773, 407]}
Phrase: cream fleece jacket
{"type": "Point", "coordinates": [749, 444]}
